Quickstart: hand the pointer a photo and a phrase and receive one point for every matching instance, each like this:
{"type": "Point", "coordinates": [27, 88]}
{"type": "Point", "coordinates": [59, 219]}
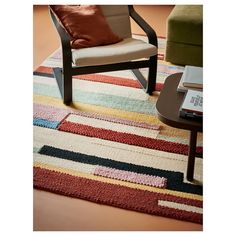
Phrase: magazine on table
{"type": "Point", "coordinates": [192, 106]}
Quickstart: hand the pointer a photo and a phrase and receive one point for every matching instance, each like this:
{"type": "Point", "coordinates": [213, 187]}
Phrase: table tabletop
{"type": "Point", "coordinates": [168, 105]}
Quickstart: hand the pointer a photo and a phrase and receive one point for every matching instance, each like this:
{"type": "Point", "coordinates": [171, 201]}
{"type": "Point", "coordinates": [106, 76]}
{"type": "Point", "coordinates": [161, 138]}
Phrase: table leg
{"type": "Point", "coordinates": [191, 155]}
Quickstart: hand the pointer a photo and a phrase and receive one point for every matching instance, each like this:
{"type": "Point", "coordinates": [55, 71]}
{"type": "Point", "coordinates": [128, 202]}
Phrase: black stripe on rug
{"type": "Point", "coordinates": [174, 179]}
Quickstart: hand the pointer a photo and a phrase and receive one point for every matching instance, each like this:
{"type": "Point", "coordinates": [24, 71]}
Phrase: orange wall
{"type": "Point", "coordinates": [155, 15]}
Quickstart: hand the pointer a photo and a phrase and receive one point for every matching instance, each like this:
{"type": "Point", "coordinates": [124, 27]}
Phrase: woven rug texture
{"type": "Point", "coordinates": [109, 146]}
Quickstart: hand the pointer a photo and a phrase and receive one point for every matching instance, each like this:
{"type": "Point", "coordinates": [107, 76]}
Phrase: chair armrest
{"type": "Point", "coordinates": [151, 34]}
{"type": "Point", "coordinates": [64, 36]}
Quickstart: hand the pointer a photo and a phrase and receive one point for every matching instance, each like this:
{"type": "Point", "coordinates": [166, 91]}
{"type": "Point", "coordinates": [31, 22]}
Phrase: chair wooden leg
{"type": "Point", "coordinates": [58, 76]}
{"type": "Point", "coordinates": [148, 84]}
{"type": "Point", "coordinates": [139, 76]}
{"type": "Point", "coordinates": [152, 74]}
{"type": "Point", "coordinates": [64, 82]}
{"type": "Point", "coordinates": [67, 87]}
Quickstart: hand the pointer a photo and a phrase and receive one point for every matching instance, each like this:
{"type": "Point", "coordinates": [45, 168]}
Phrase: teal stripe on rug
{"type": "Point", "coordinates": [46, 123]}
{"type": "Point", "coordinates": [99, 99]}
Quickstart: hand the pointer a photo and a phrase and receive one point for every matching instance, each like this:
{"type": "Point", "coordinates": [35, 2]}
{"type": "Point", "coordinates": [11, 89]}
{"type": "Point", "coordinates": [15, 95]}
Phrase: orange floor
{"type": "Point", "coordinates": [58, 213]}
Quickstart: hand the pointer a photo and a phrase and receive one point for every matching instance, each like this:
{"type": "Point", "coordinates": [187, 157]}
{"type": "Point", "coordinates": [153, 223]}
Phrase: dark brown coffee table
{"type": "Point", "coordinates": [167, 106]}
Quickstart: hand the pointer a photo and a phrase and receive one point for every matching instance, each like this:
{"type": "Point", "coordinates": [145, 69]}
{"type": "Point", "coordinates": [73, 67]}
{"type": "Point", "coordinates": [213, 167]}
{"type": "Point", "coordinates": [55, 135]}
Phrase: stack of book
{"type": "Point", "coordinates": [192, 78]}
{"type": "Point", "coordinates": [192, 84]}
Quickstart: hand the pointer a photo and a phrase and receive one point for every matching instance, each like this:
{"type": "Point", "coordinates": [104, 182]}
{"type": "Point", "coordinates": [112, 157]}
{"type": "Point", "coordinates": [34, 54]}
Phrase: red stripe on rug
{"type": "Point", "coordinates": [114, 80]}
{"type": "Point", "coordinates": [111, 194]}
{"type": "Point", "coordinates": [109, 79]}
{"type": "Point", "coordinates": [103, 79]}
{"type": "Point", "coordinates": [131, 139]}
{"type": "Point", "coordinates": [44, 69]}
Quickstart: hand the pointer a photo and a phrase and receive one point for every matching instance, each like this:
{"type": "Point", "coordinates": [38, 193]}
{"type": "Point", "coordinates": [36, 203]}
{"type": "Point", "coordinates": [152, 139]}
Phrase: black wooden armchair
{"type": "Point", "coordinates": [102, 58]}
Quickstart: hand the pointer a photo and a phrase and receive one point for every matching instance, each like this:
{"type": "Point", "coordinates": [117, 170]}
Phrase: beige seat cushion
{"type": "Point", "coordinates": [126, 50]}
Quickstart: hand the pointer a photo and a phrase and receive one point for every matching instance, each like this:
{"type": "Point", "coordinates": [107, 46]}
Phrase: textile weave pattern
{"type": "Point", "coordinates": [109, 146]}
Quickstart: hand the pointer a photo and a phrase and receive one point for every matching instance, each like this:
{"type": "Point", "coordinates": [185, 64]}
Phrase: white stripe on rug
{"type": "Point", "coordinates": [63, 163]}
{"type": "Point", "coordinates": [180, 206]}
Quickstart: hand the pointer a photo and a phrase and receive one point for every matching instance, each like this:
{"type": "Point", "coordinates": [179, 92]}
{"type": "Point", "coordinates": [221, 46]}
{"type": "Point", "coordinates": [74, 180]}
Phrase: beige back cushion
{"type": "Point", "coordinates": [118, 18]}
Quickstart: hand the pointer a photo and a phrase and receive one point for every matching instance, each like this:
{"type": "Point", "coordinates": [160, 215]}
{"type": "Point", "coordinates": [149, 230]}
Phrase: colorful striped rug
{"type": "Point", "coordinates": [109, 146]}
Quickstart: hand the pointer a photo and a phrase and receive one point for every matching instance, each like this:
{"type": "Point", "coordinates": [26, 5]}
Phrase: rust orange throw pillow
{"type": "Point", "coordinates": [86, 25]}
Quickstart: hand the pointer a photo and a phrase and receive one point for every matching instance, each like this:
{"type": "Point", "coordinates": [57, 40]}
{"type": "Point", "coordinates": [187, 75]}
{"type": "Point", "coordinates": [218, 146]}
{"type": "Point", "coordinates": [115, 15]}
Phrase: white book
{"type": "Point", "coordinates": [182, 88]}
{"type": "Point", "coordinates": [193, 102]}
{"type": "Point", "coordinates": [193, 77]}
